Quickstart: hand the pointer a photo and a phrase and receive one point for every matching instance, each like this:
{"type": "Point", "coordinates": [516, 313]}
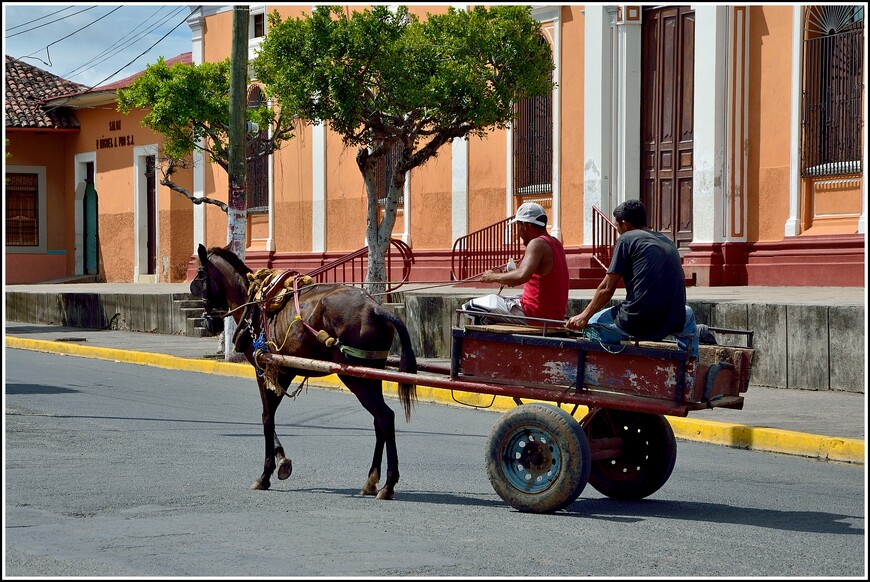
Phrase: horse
{"type": "Point", "coordinates": [329, 322]}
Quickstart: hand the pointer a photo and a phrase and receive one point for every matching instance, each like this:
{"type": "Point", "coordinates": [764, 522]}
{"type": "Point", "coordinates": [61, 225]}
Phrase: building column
{"type": "Point", "coordinates": [598, 114]}
{"type": "Point", "coordinates": [318, 188]}
{"type": "Point", "coordinates": [200, 234]}
{"type": "Point", "coordinates": [793, 223]}
{"type": "Point", "coordinates": [708, 176]}
{"type": "Point", "coordinates": [627, 93]}
{"type": "Point", "coordinates": [459, 188]}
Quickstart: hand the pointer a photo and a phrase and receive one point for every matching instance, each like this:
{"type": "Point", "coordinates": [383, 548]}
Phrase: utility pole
{"type": "Point", "coordinates": [237, 211]}
{"type": "Point", "coordinates": [237, 214]}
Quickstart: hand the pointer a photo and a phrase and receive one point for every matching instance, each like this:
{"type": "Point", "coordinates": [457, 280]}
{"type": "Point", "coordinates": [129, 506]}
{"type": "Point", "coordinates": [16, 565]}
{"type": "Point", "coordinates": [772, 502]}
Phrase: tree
{"type": "Point", "coordinates": [204, 107]}
{"type": "Point", "coordinates": [189, 106]}
{"type": "Point", "coordinates": [383, 78]}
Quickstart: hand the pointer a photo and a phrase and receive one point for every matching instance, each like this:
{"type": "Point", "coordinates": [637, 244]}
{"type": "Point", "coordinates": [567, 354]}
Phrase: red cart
{"type": "Point", "coordinates": [538, 457]}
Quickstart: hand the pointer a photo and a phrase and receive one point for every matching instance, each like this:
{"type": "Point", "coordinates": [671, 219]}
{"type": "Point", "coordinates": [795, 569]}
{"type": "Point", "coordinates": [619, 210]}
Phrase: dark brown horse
{"type": "Point", "coordinates": [331, 322]}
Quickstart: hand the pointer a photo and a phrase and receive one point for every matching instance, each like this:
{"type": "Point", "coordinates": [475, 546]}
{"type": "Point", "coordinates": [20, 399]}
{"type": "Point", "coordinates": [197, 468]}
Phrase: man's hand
{"type": "Point", "coordinates": [489, 276]}
{"type": "Point", "coordinates": [578, 322]}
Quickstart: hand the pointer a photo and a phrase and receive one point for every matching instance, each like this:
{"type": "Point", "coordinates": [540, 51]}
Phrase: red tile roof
{"type": "Point", "coordinates": [30, 92]}
{"type": "Point", "coordinates": [184, 58]}
{"type": "Point", "coordinates": [27, 87]}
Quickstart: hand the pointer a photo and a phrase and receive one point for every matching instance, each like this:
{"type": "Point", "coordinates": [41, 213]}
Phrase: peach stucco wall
{"type": "Point", "coordinates": [113, 137]}
{"type": "Point", "coordinates": [770, 139]}
{"type": "Point", "coordinates": [293, 185]}
{"type": "Point", "coordinates": [30, 148]}
{"type": "Point", "coordinates": [572, 152]}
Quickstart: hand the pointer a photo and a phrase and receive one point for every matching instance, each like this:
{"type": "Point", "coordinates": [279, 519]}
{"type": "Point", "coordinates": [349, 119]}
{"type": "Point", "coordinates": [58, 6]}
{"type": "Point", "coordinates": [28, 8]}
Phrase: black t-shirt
{"type": "Point", "coordinates": [655, 301]}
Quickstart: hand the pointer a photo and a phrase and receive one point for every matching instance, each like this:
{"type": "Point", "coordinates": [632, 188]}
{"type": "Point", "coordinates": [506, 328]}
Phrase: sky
{"type": "Point", "coordinates": [94, 44]}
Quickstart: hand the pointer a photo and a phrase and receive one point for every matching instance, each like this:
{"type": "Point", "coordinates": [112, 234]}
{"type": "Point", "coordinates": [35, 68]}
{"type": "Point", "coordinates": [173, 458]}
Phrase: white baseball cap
{"type": "Point", "coordinates": [531, 212]}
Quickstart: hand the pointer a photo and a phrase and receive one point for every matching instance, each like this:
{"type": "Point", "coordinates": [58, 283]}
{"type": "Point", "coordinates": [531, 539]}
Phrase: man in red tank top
{"type": "Point", "coordinates": [543, 270]}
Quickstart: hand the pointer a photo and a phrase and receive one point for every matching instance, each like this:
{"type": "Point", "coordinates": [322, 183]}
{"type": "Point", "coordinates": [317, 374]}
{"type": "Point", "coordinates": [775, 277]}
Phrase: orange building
{"type": "Point", "coordinates": [742, 128]}
{"type": "Point", "coordinates": [81, 189]}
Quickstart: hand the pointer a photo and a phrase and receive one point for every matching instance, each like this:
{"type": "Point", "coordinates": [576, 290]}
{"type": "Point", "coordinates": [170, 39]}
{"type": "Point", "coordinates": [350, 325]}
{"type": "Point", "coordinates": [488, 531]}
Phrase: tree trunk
{"type": "Point", "coordinates": [378, 235]}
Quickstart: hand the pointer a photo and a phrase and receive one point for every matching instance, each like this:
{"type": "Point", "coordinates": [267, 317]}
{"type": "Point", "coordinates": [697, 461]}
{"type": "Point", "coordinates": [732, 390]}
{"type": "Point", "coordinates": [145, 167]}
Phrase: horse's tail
{"type": "Point", "coordinates": [407, 362]}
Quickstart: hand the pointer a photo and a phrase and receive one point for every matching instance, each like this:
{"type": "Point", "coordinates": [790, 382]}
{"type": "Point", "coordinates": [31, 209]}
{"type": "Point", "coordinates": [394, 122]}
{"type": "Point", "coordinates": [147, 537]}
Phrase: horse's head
{"type": "Point", "coordinates": [207, 286]}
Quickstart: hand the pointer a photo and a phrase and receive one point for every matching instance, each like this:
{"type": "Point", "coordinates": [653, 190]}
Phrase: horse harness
{"type": "Point", "coordinates": [270, 289]}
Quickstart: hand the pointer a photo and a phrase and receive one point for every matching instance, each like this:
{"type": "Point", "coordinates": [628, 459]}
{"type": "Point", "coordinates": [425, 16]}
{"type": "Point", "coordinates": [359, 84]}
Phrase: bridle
{"type": "Point", "coordinates": [214, 315]}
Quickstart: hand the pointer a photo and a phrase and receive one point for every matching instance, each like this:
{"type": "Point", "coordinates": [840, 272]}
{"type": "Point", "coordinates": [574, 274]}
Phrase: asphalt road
{"type": "Point", "coordinates": [124, 470]}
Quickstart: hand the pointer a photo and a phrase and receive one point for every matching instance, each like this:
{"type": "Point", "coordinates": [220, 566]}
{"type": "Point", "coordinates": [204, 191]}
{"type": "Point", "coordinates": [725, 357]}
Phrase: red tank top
{"type": "Point", "coordinates": [547, 297]}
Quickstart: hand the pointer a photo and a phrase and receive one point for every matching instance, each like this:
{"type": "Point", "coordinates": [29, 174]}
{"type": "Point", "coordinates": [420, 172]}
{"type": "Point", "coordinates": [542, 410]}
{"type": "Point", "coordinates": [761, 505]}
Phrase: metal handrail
{"type": "Point", "coordinates": [484, 249]}
{"type": "Point", "coordinates": [351, 268]}
{"type": "Point", "coordinates": [604, 235]}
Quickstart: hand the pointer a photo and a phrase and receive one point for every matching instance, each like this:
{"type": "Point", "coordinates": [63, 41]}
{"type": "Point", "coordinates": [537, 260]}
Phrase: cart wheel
{"type": "Point", "coordinates": [537, 458]}
{"type": "Point", "coordinates": [647, 456]}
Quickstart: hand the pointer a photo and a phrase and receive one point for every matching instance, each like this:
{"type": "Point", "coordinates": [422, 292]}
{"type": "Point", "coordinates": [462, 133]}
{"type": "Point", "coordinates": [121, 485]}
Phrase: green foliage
{"type": "Point", "coordinates": [380, 77]}
{"type": "Point", "coordinates": [377, 75]}
{"type": "Point", "coordinates": [186, 103]}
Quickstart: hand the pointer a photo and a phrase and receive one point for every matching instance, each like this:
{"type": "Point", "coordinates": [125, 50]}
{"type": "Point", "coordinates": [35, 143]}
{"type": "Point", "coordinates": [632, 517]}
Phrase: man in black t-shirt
{"type": "Point", "coordinates": [655, 301]}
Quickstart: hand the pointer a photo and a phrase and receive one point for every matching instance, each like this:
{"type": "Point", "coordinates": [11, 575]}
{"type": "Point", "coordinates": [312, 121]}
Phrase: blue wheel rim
{"type": "Point", "coordinates": [531, 461]}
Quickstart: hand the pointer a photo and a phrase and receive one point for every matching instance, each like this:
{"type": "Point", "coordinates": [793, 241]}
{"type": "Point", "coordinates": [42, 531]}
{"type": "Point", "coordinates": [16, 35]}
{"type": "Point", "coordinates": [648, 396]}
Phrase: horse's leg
{"type": "Point", "coordinates": [370, 395]}
{"type": "Point", "coordinates": [284, 464]}
{"type": "Point", "coordinates": [270, 402]}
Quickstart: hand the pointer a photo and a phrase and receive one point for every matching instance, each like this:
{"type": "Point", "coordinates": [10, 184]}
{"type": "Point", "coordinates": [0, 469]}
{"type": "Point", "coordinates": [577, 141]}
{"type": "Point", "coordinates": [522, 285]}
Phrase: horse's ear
{"type": "Point", "coordinates": [203, 254]}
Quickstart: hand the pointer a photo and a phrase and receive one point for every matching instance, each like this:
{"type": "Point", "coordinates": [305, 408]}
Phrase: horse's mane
{"type": "Point", "coordinates": [232, 258]}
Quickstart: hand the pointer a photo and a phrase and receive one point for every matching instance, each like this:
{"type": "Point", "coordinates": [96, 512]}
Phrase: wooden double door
{"type": "Point", "coordinates": [667, 120]}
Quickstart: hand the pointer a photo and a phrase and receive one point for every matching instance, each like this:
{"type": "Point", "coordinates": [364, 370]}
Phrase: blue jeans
{"type": "Point", "coordinates": [602, 326]}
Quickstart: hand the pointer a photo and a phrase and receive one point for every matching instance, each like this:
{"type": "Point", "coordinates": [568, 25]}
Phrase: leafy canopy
{"type": "Point", "coordinates": [189, 103]}
{"type": "Point", "coordinates": [379, 75]}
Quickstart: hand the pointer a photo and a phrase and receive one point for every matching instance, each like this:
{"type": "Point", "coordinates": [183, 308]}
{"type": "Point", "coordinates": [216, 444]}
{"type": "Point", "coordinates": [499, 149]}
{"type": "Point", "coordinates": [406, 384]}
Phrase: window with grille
{"type": "Point", "coordinates": [533, 146]}
{"type": "Point", "coordinates": [22, 210]}
{"type": "Point", "coordinates": [384, 175]}
{"type": "Point", "coordinates": [257, 169]}
{"type": "Point", "coordinates": [832, 91]}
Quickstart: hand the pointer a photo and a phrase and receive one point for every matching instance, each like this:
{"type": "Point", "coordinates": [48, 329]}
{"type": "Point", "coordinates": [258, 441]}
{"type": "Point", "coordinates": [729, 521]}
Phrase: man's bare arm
{"type": "Point", "coordinates": [602, 295]}
{"type": "Point", "coordinates": [530, 264]}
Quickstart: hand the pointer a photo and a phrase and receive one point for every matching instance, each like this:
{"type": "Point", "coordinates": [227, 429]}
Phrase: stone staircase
{"type": "Point", "coordinates": [191, 308]}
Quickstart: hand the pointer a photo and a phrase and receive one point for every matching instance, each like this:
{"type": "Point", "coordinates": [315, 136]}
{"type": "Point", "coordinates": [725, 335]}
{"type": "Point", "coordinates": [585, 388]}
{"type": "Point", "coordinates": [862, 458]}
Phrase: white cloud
{"type": "Point", "coordinates": [94, 44]}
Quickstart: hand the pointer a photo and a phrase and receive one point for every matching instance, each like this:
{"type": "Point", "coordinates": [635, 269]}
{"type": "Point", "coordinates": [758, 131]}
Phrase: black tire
{"type": "Point", "coordinates": [537, 458]}
{"type": "Point", "coordinates": [648, 453]}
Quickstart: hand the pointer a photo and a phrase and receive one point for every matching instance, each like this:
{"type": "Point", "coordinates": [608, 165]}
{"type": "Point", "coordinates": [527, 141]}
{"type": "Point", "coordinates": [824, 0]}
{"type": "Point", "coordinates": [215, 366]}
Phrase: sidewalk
{"type": "Point", "coordinates": [825, 425]}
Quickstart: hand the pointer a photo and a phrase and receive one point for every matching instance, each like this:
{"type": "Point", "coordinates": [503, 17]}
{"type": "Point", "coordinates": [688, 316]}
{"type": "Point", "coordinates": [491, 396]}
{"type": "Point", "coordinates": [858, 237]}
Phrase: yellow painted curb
{"type": "Point", "coordinates": [709, 431]}
{"type": "Point", "coordinates": [770, 439]}
{"type": "Point", "coordinates": [243, 370]}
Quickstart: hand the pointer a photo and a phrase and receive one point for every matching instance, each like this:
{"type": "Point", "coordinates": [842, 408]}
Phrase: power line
{"type": "Point", "coordinates": [91, 88]}
{"type": "Point", "coordinates": [48, 54]}
{"type": "Point", "coordinates": [130, 39]}
{"type": "Point", "coordinates": [47, 23]}
{"type": "Point", "coordinates": [46, 16]}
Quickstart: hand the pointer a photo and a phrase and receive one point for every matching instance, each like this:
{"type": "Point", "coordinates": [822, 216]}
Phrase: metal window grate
{"type": "Point", "coordinates": [257, 169]}
{"type": "Point", "coordinates": [832, 91]}
{"type": "Point", "coordinates": [22, 210]}
{"type": "Point", "coordinates": [533, 145]}
{"type": "Point", "coordinates": [384, 174]}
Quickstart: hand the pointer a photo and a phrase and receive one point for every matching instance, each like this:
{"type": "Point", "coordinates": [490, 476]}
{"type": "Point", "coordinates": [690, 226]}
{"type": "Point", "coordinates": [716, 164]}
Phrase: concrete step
{"type": "Point", "coordinates": [195, 326]}
{"type": "Point", "coordinates": [200, 332]}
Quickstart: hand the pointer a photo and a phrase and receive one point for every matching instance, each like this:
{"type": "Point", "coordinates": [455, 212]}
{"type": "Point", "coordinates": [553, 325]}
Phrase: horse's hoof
{"type": "Point", "coordinates": [260, 486]}
{"type": "Point", "coordinates": [285, 468]}
{"type": "Point", "coordinates": [385, 494]}
{"type": "Point", "coordinates": [368, 490]}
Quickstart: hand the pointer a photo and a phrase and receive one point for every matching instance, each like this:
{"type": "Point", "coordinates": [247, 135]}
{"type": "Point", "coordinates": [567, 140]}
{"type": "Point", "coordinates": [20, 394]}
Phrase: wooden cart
{"type": "Point", "coordinates": [539, 458]}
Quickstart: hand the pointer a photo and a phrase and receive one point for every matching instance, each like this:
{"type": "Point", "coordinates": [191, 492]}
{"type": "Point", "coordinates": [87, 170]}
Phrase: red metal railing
{"type": "Point", "coordinates": [484, 249]}
{"type": "Point", "coordinates": [351, 268]}
{"type": "Point", "coordinates": [604, 235]}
